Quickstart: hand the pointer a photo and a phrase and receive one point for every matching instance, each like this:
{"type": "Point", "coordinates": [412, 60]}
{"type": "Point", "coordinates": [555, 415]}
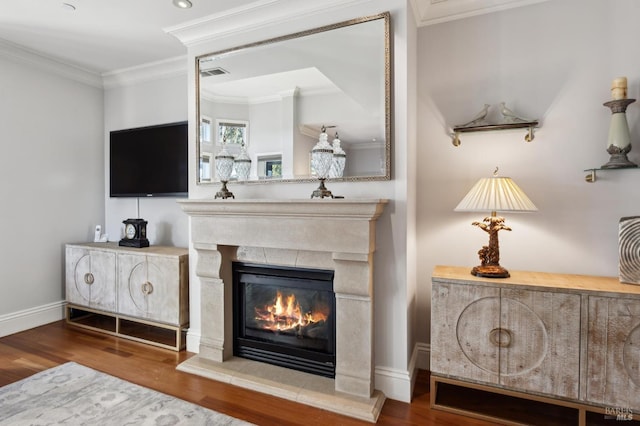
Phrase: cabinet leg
{"type": "Point", "coordinates": [433, 389]}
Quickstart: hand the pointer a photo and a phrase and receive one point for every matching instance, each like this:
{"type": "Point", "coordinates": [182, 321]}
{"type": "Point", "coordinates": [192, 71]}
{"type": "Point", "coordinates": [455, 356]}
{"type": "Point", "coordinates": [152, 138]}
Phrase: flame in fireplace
{"type": "Point", "coordinates": [285, 314]}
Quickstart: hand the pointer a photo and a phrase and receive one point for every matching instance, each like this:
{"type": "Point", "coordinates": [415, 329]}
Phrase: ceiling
{"type": "Point", "coordinates": [103, 36]}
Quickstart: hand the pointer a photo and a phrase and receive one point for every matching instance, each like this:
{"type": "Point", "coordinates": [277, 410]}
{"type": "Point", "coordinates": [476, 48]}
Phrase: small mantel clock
{"type": "Point", "coordinates": [135, 233]}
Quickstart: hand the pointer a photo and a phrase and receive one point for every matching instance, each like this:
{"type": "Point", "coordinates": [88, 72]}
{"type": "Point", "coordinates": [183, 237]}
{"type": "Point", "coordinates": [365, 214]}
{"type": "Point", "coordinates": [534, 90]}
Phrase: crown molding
{"type": "Point", "coordinates": [29, 57]}
{"type": "Point", "coordinates": [430, 12]}
{"type": "Point", "coordinates": [146, 72]}
{"type": "Point", "coordinates": [126, 76]}
{"type": "Point", "coordinates": [259, 14]}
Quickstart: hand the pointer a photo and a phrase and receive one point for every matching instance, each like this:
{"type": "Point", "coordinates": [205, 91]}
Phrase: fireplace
{"type": "Point", "coordinates": [285, 316]}
{"type": "Point", "coordinates": [326, 235]}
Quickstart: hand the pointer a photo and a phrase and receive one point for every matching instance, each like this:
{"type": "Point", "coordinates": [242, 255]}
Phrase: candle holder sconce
{"type": "Point", "coordinates": [619, 140]}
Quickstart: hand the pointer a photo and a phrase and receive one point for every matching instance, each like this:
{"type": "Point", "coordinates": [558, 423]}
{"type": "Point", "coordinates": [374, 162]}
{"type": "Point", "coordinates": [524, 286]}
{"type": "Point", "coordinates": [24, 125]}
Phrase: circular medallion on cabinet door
{"type": "Point", "coordinates": [83, 265]}
{"type": "Point", "coordinates": [502, 336]}
{"type": "Point", "coordinates": [140, 285]}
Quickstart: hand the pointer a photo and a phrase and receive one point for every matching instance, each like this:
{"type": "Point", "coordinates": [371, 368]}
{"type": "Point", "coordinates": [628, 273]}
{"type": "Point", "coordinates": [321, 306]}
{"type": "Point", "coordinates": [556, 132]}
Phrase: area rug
{"type": "Point", "coordinates": [72, 394]}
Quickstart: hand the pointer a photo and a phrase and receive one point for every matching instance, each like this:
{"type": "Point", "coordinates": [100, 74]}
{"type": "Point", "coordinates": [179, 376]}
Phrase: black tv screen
{"type": "Point", "coordinates": [149, 161]}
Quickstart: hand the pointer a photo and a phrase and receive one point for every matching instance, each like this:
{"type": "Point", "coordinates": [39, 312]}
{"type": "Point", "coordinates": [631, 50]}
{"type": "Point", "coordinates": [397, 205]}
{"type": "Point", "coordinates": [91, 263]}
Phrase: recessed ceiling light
{"type": "Point", "coordinates": [182, 4]}
{"type": "Point", "coordinates": [68, 6]}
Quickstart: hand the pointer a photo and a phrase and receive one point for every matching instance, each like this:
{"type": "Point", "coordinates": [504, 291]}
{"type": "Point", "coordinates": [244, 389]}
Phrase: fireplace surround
{"type": "Point", "coordinates": [336, 235]}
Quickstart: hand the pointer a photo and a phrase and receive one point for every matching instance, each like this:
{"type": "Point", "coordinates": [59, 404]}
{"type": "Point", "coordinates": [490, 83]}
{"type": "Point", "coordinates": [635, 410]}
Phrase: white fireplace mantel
{"type": "Point", "coordinates": [336, 234]}
{"type": "Point", "coordinates": [317, 225]}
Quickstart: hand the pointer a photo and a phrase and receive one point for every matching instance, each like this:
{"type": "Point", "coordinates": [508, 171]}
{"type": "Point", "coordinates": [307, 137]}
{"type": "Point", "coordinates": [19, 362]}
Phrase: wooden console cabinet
{"type": "Point", "coordinates": [540, 348]}
{"type": "Point", "coordinates": [137, 293]}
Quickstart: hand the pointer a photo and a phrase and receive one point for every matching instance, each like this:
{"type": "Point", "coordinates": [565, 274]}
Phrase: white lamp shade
{"type": "Point", "coordinates": [496, 194]}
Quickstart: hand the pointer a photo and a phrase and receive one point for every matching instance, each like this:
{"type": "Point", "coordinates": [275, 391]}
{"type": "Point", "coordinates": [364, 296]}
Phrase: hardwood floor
{"type": "Point", "coordinates": [23, 354]}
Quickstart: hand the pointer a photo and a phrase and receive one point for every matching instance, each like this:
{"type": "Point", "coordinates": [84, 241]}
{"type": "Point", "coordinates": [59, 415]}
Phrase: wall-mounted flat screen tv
{"type": "Point", "coordinates": [149, 161]}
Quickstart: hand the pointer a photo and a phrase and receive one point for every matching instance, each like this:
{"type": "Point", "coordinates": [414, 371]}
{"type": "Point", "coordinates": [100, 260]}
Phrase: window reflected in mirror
{"type": "Point", "coordinates": [205, 130]}
{"type": "Point", "coordinates": [269, 166]}
{"type": "Point", "coordinates": [205, 166]}
{"type": "Point", "coordinates": [234, 133]}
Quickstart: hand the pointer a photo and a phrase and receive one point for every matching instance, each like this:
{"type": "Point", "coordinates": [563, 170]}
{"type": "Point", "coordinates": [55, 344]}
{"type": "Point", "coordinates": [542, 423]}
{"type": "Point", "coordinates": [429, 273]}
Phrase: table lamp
{"type": "Point", "coordinates": [491, 195]}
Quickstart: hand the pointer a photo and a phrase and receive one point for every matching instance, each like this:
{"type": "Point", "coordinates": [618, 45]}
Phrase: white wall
{"type": "Point", "coordinates": [394, 295]}
{"type": "Point", "coordinates": [554, 61]}
{"type": "Point", "coordinates": [52, 179]}
{"type": "Point", "coordinates": [136, 104]}
{"type": "Point", "coordinates": [75, 192]}
{"type": "Point", "coordinates": [265, 132]}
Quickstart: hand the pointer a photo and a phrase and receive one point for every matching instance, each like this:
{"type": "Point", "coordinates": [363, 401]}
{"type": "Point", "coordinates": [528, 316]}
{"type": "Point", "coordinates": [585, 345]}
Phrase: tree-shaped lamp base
{"type": "Point", "coordinates": [490, 255]}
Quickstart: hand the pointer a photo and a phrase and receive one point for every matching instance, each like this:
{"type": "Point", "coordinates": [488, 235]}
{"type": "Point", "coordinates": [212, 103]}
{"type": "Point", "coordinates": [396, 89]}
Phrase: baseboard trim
{"type": "Point", "coordinates": [423, 356]}
{"type": "Point", "coordinates": [398, 384]}
{"type": "Point", "coordinates": [193, 340]}
{"type": "Point", "coordinates": [30, 318]}
{"type": "Point", "coordinates": [394, 383]}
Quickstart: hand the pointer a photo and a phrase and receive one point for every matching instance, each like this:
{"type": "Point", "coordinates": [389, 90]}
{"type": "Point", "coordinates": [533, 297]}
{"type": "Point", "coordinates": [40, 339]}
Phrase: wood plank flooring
{"type": "Point", "coordinates": [23, 354]}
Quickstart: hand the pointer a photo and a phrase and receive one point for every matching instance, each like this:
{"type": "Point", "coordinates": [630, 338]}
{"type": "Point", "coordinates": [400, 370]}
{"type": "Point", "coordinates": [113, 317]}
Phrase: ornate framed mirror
{"type": "Point", "coordinates": [283, 91]}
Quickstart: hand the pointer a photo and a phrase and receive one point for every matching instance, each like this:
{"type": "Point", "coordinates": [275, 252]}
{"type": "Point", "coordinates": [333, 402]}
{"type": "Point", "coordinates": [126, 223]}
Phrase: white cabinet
{"type": "Point", "coordinates": [148, 287]}
{"type": "Point", "coordinates": [137, 293]}
{"type": "Point", "coordinates": [91, 277]}
{"type": "Point", "coordinates": [568, 343]}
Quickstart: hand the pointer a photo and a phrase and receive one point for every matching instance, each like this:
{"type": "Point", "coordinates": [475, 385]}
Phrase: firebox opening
{"type": "Point", "coordinates": [285, 316]}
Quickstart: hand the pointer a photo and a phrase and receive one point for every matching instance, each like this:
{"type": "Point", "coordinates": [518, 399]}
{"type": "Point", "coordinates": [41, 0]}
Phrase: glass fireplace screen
{"type": "Point", "coordinates": [285, 316]}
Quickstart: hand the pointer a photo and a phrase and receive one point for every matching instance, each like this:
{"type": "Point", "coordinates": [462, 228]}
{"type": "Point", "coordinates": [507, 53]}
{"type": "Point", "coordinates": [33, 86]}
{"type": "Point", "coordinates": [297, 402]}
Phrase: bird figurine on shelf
{"type": "Point", "coordinates": [510, 116]}
{"type": "Point", "coordinates": [479, 119]}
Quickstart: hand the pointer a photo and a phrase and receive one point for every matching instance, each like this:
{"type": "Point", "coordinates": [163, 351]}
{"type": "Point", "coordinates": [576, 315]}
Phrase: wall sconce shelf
{"type": "Point", "coordinates": [529, 125]}
{"type": "Point", "coordinates": [591, 177]}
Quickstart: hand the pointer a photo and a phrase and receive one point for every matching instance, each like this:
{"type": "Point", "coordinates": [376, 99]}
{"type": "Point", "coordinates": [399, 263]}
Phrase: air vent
{"type": "Point", "coordinates": [213, 71]}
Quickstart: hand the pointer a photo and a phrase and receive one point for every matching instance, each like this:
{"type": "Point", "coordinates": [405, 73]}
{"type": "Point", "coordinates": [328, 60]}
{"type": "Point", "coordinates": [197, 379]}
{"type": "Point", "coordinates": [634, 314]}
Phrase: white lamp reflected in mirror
{"type": "Point", "coordinates": [339, 159]}
{"type": "Point", "coordinates": [224, 169]}
{"type": "Point", "coordinates": [492, 195]}
{"type": "Point", "coordinates": [242, 164]}
{"type": "Point", "coordinates": [321, 159]}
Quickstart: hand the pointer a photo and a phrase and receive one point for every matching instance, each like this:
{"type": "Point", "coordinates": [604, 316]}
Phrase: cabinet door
{"type": "Point", "coordinates": [90, 278]}
{"type": "Point", "coordinates": [462, 317]}
{"type": "Point", "coordinates": [149, 287]}
{"type": "Point", "coordinates": [540, 345]}
{"type": "Point", "coordinates": [613, 357]}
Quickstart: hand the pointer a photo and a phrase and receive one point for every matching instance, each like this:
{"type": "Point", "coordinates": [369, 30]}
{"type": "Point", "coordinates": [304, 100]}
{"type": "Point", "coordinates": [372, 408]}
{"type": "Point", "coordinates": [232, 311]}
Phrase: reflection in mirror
{"type": "Point", "coordinates": [205, 166]}
{"type": "Point", "coordinates": [232, 132]}
{"type": "Point", "coordinates": [269, 166]}
{"type": "Point", "coordinates": [281, 92]}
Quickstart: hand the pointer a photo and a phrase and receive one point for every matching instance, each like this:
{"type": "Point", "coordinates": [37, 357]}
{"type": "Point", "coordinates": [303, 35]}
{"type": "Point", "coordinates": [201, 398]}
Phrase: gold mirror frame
{"type": "Point", "coordinates": [385, 16]}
